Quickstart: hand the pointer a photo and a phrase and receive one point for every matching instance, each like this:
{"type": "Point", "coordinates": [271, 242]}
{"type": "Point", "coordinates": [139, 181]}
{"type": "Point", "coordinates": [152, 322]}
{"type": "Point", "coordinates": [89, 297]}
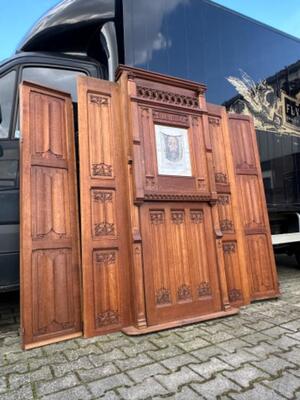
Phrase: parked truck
{"type": "Point", "coordinates": [248, 67]}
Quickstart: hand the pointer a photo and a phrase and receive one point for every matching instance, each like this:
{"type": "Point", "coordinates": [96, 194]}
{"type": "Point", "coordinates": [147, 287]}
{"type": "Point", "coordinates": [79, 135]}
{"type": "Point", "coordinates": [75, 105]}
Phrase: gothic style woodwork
{"type": "Point", "coordinates": [49, 246]}
{"type": "Point", "coordinates": [103, 208]}
{"type": "Point", "coordinates": [252, 208]}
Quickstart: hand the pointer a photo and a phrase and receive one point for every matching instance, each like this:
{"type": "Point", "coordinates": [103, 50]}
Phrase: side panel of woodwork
{"type": "Point", "coordinates": [262, 270]}
{"type": "Point", "coordinates": [233, 245]}
{"type": "Point", "coordinates": [50, 283]}
{"type": "Point", "coordinates": [103, 207]}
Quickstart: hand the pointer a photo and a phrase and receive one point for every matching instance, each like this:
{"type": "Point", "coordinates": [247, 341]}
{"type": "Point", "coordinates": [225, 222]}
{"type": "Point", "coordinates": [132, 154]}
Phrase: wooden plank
{"type": "Point", "coordinates": [104, 221]}
{"type": "Point", "coordinates": [49, 245]}
{"type": "Point", "coordinates": [253, 210]}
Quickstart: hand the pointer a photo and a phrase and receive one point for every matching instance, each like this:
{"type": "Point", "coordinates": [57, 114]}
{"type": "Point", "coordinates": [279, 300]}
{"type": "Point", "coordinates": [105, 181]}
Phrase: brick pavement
{"type": "Point", "coordinates": [254, 355]}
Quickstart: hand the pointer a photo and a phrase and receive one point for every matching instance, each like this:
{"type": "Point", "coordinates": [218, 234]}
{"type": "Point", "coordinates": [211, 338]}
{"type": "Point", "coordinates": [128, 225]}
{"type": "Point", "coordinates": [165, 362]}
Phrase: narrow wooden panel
{"type": "Point", "coordinates": [253, 210]}
{"type": "Point", "coordinates": [50, 263]}
{"type": "Point", "coordinates": [225, 213]}
{"type": "Point", "coordinates": [103, 207]}
{"type": "Point", "coordinates": [179, 262]}
{"type": "Point", "coordinates": [233, 275]}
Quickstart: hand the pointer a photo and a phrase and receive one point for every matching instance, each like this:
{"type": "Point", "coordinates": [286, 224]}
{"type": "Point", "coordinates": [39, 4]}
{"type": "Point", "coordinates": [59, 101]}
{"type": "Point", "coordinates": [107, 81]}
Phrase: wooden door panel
{"type": "Point", "coordinates": [179, 261]}
{"type": "Point", "coordinates": [50, 262]}
{"type": "Point", "coordinates": [103, 208]}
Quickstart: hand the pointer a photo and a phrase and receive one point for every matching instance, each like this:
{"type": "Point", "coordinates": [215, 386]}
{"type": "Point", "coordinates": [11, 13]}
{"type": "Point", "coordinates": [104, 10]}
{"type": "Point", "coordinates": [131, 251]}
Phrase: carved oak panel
{"type": "Point", "coordinates": [179, 261]}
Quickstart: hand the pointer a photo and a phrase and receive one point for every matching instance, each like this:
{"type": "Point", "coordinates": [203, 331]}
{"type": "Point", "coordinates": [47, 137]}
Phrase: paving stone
{"type": "Point", "coordinates": [210, 368]}
{"type": "Point", "coordinates": [62, 369]}
{"type": "Point", "coordinates": [295, 335]}
{"type": "Point", "coordinates": [292, 325]}
{"type": "Point", "coordinates": [99, 387]}
{"type": "Point", "coordinates": [21, 368]}
{"type": "Point", "coordinates": [286, 385]}
{"type": "Point", "coordinates": [21, 356]}
{"type": "Point", "coordinates": [73, 355]}
{"type": "Point", "coordinates": [259, 392]}
{"type": "Point", "coordinates": [233, 345]}
{"type": "Point", "coordinates": [23, 393]}
{"type": "Point", "coordinates": [182, 377]}
{"type": "Point", "coordinates": [284, 343]}
{"type": "Point", "coordinates": [216, 387]}
{"type": "Point", "coordinates": [256, 338]}
{"type": "Point", "coordinates": [262, 350]}
{"type": "Point", "coordinates": [3, 386]}
{"type": "Point", "coordinates": [134, 350]}
{"type": "Point", "coordinates": [292, 356]}
{"type": "Point", "coordinates": [239, 358]}
{"type": "Point", "coordinates": [141, 373]}
{"type": "Point", "coordinates": [99, 360]}
{"type": "Point", "coordinates": [118, 343]}
{"type": "Point", "coordinates": [262, 325]}
{"type": "Point", "coordinates": [56, 385]}
{"type": "Point", "coordinates": [219, 337]}
{"type": "Point", "coordinates": [194, 344]}
{"type": "Point", "coordinates": [134, 362]}
{"type": "Point", "coordinates": [186, 393]}
{"type": "Point", "coordinates": [162, 354]}
{"type": "Point", "coordinates": [54, 359]}
{"type": "Point", "coordinates": [76, 393]}
{"type": "Point", "coordinates": [111, 395]}
{"type": "Point", "coordinates": [147, 389]}
{"type": "Point", "coordinates": [17, 380]}
{"type": "Point", "coordinates": [97, 373]}
{"type": "Point", "coordinates": [62, 346]}
{"type": "Point", "coordinates": [245, 375]}
{"type": "Point", "coordinates": [273, 365]}
{"type": "Point", "coordinates": [192, 333]}
{"type": "Point", "coordinates": [174, 363]}
{"type": "Point", "coordinates": [207, 353]}
{"type": "Point", "coordinates": [276, 332]}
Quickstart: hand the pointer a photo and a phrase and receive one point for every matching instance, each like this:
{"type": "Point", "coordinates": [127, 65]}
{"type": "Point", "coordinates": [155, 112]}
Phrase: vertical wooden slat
{"type": "Point", "coordinates": [49, 245]}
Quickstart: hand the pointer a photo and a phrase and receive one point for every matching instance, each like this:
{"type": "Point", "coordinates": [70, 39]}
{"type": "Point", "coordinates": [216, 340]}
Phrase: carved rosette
{"type": "Point", "coordinates": [223, 199]}
{"type": "Point", "coordinates": [221, 178]}
{"type": "Point", "coordinates": [104, 229]}
{"type": "Point", "coordinates": [214, 121]}
{"type": "Point", "coordinates": [105, 258]}
{"type": "Point", "coordinates": [226, 225]}
{"type": "Point", "coordinates": [204, 289]}
{"type": "Point", "coordinates": [102, 197]}
{"type": "Point", "coordinates": [235, 295]}
{"type": "Point", "coordinates": [229, 248]}
{"type": "Point", "coordinates": [177, 217]}
{"type": "Point", "coordinates": [196, 216]}
{"type": "Point", "coordinates": [108, 317]}
{"type": "Point", "coordinates": [184, 292]}
{"type": "Point", "coordinates": [150, 181]}
{"type": "Point", "coordinates": [167, 97]}
{"type": "Point", "coordinates": [163, 296]}
{"type": "Point", "coordinates": [101, 169]}
{"type": "Point", "coordinates": [157, 217]}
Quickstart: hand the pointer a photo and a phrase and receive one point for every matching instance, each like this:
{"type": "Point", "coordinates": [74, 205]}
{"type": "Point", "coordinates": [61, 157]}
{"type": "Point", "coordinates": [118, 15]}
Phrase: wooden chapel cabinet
{"type": "Point", "coordinates": [178, 271]}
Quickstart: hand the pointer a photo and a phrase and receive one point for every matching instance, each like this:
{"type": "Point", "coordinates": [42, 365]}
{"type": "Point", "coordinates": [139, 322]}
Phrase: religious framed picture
{"type": "Point", "coordinates": [173, 151]}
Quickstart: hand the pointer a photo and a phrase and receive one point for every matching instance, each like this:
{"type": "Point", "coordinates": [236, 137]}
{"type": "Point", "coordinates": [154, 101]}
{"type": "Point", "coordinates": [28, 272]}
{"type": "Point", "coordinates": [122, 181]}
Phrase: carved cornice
{"type": "Point", "coordinates": [169, 117]}
{"type": "Point", "coordinates": [176, 197]}
{"type": "Point", "coordinates": [167, 97]}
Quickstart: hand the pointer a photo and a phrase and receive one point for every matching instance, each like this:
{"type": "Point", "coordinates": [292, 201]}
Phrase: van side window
{"type": "Point", "coordinates": [7, 90]}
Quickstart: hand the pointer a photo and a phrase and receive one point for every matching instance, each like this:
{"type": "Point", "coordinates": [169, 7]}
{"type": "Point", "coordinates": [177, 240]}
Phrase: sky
{"type": "Point", "coordinates": [17, 16]}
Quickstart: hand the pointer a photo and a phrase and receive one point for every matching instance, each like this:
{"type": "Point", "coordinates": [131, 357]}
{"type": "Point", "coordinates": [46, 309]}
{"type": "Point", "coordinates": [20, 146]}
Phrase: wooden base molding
{"type": "Point", "coordinates": [133, 331]}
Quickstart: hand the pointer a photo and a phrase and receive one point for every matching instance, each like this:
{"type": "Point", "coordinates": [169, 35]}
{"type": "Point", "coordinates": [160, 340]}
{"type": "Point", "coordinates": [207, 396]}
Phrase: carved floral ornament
{"type": "Point", "coordinates": [229, 247]}
{"type": "Point", "coordinates": [163, 296]}
{"type": "Point", "coordinates": [157, 217]}
{"type": "Point", "coordinates": [214, 121]}
{"type": "Point", "coordinates": [108, 317]}
{"type": "Point", "coordinates": [104, 229]}
{"type": "Point", "coordinates": [196, 216]}
{"type": "Point", "coordinates": [101, 169]}
{"type": "Point", "coordinates": [226, 225]}
{"type": "Point", "coordinates": [102, 197]}
{"type": "Point", "coordinates": [204, 289]}
{"type": "Point", "coordinates": [167, 97]}
{"type": "Point", "coordinates": [223, 199]}
{"type": "Point", "coordinates": [235, 295]}
{"type": "Point", "coordinates": [221, 178]}
{"type": "Point", "coordinates": [99, 100]}
{"type": "Point", "coordinates": [184, 292]}
{"type": "Point", "coordinates": [177, 216]}
{"type": "Point", "coordinates": [105, 257]}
